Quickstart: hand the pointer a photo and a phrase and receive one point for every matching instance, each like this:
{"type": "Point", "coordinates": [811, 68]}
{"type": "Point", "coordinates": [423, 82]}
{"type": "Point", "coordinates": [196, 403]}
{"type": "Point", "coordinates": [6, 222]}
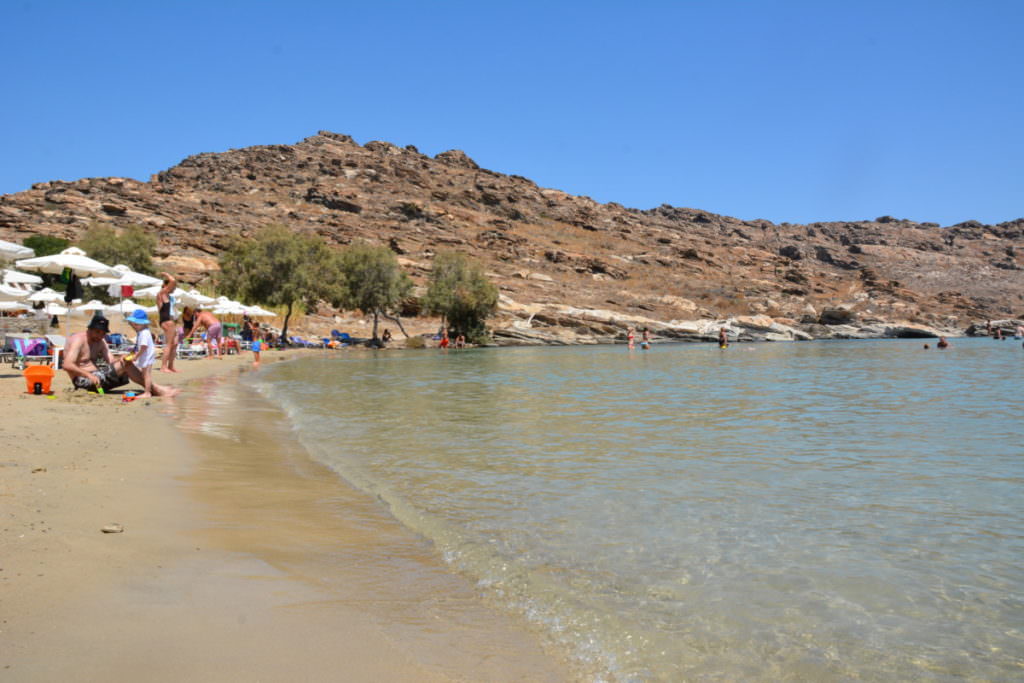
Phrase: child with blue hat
{"type": "Point", "coordinates": [144, 353]}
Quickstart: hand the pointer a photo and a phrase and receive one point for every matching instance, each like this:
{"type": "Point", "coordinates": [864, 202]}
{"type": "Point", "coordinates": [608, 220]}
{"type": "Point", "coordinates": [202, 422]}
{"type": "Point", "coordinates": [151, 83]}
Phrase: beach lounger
{"type": "Point", "coordinates": [29, 351]}
{"type": "Point", "coordinates": [57, 343]}
{"type": "Point", "coordinates": [118, 343]}
{"type": "Point", "coordinates": [191, 350]}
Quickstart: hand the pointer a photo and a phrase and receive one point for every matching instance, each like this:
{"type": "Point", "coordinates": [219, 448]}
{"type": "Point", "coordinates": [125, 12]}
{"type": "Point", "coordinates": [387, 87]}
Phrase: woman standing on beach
{"type": "Point", "coordinates": [165, 309]}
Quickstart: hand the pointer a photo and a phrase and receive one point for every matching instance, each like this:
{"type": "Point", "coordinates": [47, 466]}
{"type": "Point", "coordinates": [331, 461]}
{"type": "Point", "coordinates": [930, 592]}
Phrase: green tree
{"type": "Point", "coordinates": [461, 293]}
{"type": "Point", "coordinates": [45, 245]}
{"type": "Point", "coordinates": [278, 267]}
{"type": "Point", "coordinates": [373, 280]}
{"type": "Point", "coordinates": [131, 246]}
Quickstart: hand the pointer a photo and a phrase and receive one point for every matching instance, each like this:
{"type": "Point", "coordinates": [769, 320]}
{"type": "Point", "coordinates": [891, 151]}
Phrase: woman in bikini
{"type": "Point", "coordinates": [165, 309]}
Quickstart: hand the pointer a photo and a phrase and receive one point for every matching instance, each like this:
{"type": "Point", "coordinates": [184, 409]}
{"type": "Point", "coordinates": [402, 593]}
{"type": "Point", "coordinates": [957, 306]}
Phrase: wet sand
{"type": "Point", "coordinates": [240, 559]}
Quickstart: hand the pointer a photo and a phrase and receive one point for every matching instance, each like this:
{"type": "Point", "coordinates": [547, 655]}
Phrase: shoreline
{"type": "Point", "coordinates": [233, 564]}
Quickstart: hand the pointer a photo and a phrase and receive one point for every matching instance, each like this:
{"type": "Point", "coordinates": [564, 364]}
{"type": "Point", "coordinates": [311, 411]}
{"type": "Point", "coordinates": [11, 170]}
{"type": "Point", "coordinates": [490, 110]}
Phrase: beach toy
{"type": "Point", "coordinates": [38, 378]}
{"type": "Point", "coordinates": [129, 396]}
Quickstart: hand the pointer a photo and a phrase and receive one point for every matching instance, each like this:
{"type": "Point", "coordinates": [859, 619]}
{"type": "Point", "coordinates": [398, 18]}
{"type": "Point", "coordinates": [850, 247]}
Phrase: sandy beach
{"type": "Point", "coordinates": [236, 562]}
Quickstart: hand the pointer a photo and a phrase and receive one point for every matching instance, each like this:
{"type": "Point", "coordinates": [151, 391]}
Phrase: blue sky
{"type": "Point", "coordinates": [790, 111]}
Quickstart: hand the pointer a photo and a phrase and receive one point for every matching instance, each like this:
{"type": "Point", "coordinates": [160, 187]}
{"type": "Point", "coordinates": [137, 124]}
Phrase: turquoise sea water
{"type": "Point", "coordinates": [814, 511]}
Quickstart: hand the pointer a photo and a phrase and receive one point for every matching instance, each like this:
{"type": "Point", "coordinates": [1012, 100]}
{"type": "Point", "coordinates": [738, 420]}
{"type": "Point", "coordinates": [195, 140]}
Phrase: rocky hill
{"type": "Point", "coordinates": [569, 268]}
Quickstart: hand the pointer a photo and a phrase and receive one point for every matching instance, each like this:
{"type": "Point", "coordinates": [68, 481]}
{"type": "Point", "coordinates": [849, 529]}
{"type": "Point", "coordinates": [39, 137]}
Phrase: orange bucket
{"type": "Point", "coordinates": [38, 378]}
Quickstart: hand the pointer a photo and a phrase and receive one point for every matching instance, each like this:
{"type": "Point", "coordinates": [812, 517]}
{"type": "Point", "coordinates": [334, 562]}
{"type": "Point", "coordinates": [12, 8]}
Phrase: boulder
{"type": "Point", "coordinates": [839, 315]}
{"type": "Point", "coordinates": [911, 332]}
{"type": "Point", "coordinates": [457, 158]}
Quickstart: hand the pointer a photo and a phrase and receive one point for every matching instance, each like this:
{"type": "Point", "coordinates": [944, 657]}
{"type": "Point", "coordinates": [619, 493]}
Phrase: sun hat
{"type": "Point", "coordinates": [138, 317]}
{"type": "Point", "coordinates": [99, 322]}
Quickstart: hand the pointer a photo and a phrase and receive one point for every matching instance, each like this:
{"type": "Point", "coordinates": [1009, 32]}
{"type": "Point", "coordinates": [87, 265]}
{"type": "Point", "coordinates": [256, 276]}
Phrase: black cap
{"type": "Point", "coordinates": [99, 322]}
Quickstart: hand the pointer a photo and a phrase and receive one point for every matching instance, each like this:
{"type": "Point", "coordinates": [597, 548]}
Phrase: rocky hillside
{"type": "Point", "coordinates": [569, 268]}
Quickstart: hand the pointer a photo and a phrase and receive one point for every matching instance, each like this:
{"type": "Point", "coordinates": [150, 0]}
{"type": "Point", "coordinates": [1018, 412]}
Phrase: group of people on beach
{"type": "Point", "coordinates": [445, 341]}
{"type": "Point", "coordinates": [996, 332]}
{"type": "Point", "coordinates": [91, 364]}
{"type": "Point", "coordinates": [193, 321]}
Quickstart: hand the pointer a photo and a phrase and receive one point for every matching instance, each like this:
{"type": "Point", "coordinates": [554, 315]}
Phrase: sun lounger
{"type": "Point", "coordinates": [118, 343]}
{"type": "Point", "coordinates": [29, 351]}
{"type": "Point", "coordinates": [191, 350]}
{"type": "Point", "coordinates": [57, 343]}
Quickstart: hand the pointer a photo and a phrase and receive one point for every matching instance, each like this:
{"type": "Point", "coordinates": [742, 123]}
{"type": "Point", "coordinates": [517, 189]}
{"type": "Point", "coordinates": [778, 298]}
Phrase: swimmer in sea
{"type": "Point", "coordinates": [645, 339]}
{"type": "Point", "coordinates": [630, 334]}
{"type": "Point", "coordinates": [723, 338]}
{"type": "Point", "coordinates": [943, 344]}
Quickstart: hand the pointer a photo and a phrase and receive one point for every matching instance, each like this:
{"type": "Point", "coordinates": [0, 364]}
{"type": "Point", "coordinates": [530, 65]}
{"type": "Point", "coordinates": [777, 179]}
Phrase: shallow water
{"type": "Point", "coordinates": [813, 511]}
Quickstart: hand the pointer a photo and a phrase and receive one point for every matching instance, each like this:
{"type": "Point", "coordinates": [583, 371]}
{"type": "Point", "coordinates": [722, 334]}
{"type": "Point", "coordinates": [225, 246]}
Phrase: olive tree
{"type": "Point", "coordinates": [131, 245]}
{"type": "Point", "coordinates": [45, 245]}
{"type": "Point", "coordinates": [279, 267]}
{"type": "Point", "coordinates": [373, 280]}
{"type": "Point", "coordinates": [460, 292]}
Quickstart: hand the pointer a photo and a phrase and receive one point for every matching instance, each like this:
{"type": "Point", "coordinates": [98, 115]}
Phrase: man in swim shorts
{"type": "Point", "coordinates": [88, 360]}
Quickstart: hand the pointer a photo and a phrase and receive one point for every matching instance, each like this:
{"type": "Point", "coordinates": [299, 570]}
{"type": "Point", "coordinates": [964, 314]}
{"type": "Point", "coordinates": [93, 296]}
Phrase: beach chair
{"type": "Point", "coordinates": [29, 351]}
{"type": "Point", "coordinates": [191, 349]}
{"type": "Point", "coordinates": [342, 337]}
{"type": "Point", "coordinates": [57, 343]}
{"type": "Point", "coordinates": [118, 343]}
{"type": "Point", "coordinates": [7, 354]}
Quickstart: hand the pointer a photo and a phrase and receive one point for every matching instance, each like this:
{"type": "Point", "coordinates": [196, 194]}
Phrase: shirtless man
{"type": "Point", "coordinates": [85, 352]}
{"type": "Point", "coordinates": [195, 319]}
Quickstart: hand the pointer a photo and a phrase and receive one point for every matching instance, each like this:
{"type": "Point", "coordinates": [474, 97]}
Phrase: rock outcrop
{"type": "Point", "coordinates": [589, 268]}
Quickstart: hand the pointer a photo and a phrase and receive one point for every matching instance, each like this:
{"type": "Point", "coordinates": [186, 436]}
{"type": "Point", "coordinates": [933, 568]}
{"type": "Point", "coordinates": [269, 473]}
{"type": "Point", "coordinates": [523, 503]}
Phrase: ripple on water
{"type": "Point", "coordinates": [816, 511]}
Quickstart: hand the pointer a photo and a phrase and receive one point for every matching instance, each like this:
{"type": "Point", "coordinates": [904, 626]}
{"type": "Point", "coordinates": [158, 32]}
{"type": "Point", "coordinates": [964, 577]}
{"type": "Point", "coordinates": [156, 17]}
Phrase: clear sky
{"type": "Point", "coordinates": [786, 110]}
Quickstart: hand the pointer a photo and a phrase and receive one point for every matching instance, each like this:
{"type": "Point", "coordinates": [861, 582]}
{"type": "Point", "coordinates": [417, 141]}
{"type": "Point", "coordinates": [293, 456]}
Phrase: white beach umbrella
{"type": "Point", "coordinates": [10, 251]}
{"type": "Point", "coordinates": [89, 308]}
{"type": "Point", "coordinates": [125, 307]}
{"type": "Point", "coordinates": [46, 294]}
{"type": "Point", "coordinates": [194, 297]}
{"type": "Point", "coordinates": [258, 312]}
{"type": "Point", "coordinates": [14, 306]}
{"type": "Point", "coordinates": [150, 292]}
{"type": "Point", "coordinates": [13, 277]}
{"type": "Point", "coordinates": [8, 293]}
{"type": "Point", "coordinates": [55, 309]}
{"type": "Point", "coordinates": [229, 308]}
{"type": "Point", "coordinates": [73, 258]}
{"type": "Point", "coordinates": [126, 278]}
